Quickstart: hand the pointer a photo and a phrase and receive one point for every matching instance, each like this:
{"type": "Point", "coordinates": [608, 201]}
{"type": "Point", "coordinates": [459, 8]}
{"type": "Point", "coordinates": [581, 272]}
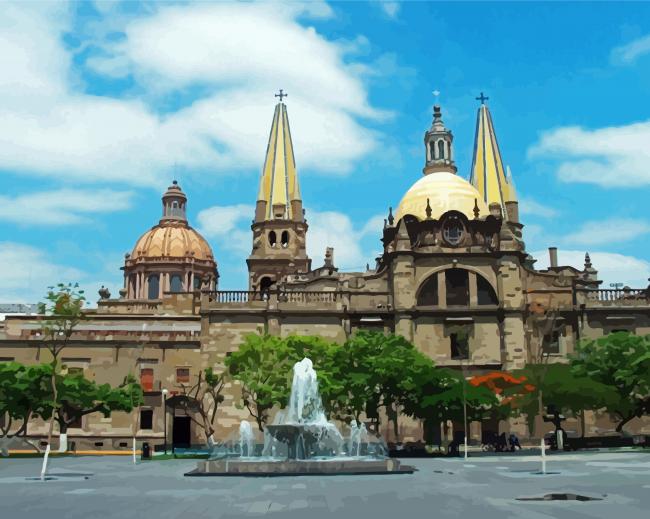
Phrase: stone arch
{"type": "Point", "coordinates": [484, 286]}
{"type": "Point", "coordinates": [284, 239]}
{"type": "Point", "coordinates": [273, 239]}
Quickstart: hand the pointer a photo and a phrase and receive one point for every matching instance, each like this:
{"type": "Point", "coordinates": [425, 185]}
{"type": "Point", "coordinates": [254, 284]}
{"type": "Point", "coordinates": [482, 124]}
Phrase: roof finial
{"type": "Point", "coordinates": [428, 210]}
{"type": "Point", "coordinates": [587, 261]}
{"type": "Point", "coordinates": [281, 95]}
{"type": "Point", "coordinates": [482, 98]}
{"type": "Point", "coordinates": [391, 218]}
{"type": "Point", "coordinates": [476, 209]}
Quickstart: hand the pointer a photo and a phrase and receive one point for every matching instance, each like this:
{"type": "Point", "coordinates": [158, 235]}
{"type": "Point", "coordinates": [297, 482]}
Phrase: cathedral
{"type": "Point", "coordinates": [454, 278]}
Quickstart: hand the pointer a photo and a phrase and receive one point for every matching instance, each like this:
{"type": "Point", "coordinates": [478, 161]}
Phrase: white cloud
{"type": "Point", "coordinates": [611, 267]}
{"type": "Point", "coordinates": [630, 52]}
{"type": "Point", "coordinates": [615, 156]}
{"type": "Point", "coordinates": [602, 232]}
{"type": "Point", "coordinates": [530, 207]}
{"type": "Point", "coordinates": [27, 272]}
{"type": "Point", "coordinates": [63, 206]}
{"type": "Point", "coordinates": [227, 224]}
{"type": "Point", "coordinates": [391, 9]}
{"type": "Point", "coordinates": [238, 53]}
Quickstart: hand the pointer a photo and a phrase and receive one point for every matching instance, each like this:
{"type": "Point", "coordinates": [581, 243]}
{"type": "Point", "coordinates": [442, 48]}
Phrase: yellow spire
{"type": "Point", "coordinates": [488, 175]}
{"type": "Point", "coordinates": [279, 182]}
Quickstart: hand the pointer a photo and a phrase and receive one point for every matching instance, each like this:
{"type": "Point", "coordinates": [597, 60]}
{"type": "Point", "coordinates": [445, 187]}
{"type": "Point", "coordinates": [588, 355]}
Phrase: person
{"type": "Point", "coordinates": [514, 442]}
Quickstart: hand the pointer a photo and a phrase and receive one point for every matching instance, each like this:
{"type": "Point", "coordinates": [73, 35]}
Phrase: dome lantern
{"type": "Point", "coordinates": [174, 202]}
{"type": "Point", "coordinates": [439, 152]}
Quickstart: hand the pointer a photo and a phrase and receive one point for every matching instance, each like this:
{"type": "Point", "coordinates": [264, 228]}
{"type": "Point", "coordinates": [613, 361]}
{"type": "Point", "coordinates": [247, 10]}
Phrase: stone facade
{"type": "Point", "coordinates": [454, 278]}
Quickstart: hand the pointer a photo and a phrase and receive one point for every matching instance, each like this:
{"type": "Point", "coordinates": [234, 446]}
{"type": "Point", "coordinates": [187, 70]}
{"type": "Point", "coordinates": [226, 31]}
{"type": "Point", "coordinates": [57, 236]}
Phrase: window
{"type": "Point", "coordinates": [428, 295]}
{"type": "Point", "coordinates": [146, 419]}
{"type": "Point", "coordinates": [182, 375]}
{"type": "Point", "coordinates": [552, 343]}
{"type": "Point", "coordinates": [432, 150]}
{"type": "Point", "coordinates": [484, 292]}
{"type": "Point", "coordinates": [457, 285]}
{"type": "Point", "coordinates": [452, 231]}
{"type": "Point", "coordinates": [146, 379]}
{"type": "Point", "coordinates": [176, 283]}
{"type": "Point", "coordinates": [197, 282]}
{"type": "Point", "coordinates": [441, 149]}
{"type": "Point", "coordinates": [154, 286]}
{"type": "Point", "coordinates": [285, 239]}
{"type": "Point", "coordinates": [272, 239]}
{"type": "Point", "coordinates": [459, 344]}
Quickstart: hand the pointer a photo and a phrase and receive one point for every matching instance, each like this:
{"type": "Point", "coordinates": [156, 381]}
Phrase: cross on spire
{"type": "Point", "coordinates": [281, 95]}
{"type": "Point", "coordinates": [482, 98]}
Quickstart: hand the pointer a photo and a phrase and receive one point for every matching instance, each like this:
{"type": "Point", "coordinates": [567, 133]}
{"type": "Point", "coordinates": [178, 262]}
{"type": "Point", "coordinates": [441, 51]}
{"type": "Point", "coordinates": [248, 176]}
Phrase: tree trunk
{"type": "Point", "coordinates": [582, 424]}
{"type": "Point", "coordinates": [621, 424]}
{"type": "Point", "coordinates": [63, 437]}
{"type": "Point", "coordinates": [51, 424]}
{"type": "Point", "coordinates": [395, 423]}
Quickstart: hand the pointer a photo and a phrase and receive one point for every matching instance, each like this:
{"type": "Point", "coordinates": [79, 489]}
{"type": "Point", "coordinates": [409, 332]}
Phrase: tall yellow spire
{"type": "Point", "coordinates": [279, 194]}
{"type": "Point", "coordinates": [488, 175]}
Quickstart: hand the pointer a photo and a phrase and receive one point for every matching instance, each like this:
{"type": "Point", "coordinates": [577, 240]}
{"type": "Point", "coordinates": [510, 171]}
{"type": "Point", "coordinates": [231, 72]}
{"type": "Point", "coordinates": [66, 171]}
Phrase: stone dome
{"type": "Point", "coordinates": [172, 240]}
{"type": "Point", "coordinates": [445, 192]}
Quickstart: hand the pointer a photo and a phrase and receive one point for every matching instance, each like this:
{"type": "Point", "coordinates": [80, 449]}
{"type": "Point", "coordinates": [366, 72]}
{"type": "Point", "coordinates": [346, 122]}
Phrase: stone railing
{"type": "Point", "coordinates": [614, 297]}
{"type": "Point", "coordinates": [233, 296]}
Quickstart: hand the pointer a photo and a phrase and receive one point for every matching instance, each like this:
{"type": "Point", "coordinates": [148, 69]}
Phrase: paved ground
{"type": "Point", "coordinates": [483, 487]}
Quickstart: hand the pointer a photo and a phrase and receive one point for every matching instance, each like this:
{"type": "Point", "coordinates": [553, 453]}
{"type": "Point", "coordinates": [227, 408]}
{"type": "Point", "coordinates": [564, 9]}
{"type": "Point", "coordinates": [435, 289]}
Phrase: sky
{"type": "Point", "coordinates": [103, 104]}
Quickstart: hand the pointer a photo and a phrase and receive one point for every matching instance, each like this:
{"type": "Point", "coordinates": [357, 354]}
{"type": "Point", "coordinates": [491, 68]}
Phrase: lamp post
{"type": "Point", "coordinates": [164, 394]}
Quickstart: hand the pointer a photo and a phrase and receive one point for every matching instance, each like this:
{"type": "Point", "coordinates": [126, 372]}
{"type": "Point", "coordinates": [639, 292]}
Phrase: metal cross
{"type": "Point", "coordinates": [281, 95]}
{"type": "Point", "coordinates": [482, 98]}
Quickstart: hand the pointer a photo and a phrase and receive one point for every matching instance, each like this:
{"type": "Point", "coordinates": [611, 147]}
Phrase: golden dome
{"type": "Point", "coordinates": [172, 240]}
{"type": "Point", "coordinates": [445, 192]}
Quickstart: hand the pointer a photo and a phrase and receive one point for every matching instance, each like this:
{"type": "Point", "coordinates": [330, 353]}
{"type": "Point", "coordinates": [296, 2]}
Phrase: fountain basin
{"type": "Point", "coordinates": [312, 467]}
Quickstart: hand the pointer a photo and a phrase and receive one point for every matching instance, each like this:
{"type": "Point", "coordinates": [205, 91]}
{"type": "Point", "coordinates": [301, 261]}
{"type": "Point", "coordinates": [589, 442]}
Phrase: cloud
{"type": "Point", "coordinates": [615, 156]}
{"type": "Point", "coordinates": [611, 267]}
{"type": "Point", "coordinates": [602, 232]}
{"type": "Point", "coordinates": [390, 9]}
{"type": "Point", "coordinates": [27, 272]}
{"type": "Point", "coordinates": [223, 61]}
{"type": "Point", "coordinates": [228, 225]}
{"type": "Point", "coordinates": [63, 206]}
{"type": "Point", "coordinates": [627, 54]}
{"type": "Point", "coordinates": [530, 207]}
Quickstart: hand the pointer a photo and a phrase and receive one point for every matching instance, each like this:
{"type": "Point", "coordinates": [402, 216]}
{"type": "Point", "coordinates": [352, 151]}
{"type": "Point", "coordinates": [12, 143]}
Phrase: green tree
{"type": "Point", "coordinates": [563, 389]}
{"type": "Point", "coordinates": [62, 312]}
{"type": "Point", "coordinates": [23, 390]}
{"type": "Point", "coordinates": [262, 365]}
{"type": "Point", "coordinates": [441, 394]}
{"type": "Point", "coordinates": [78, 396]}
{"type": "Point", "coordinates": [621, 361]}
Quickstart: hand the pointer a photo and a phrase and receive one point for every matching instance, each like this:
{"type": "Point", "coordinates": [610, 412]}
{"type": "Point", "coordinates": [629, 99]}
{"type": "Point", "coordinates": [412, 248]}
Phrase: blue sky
{"type": "Point", "coordinates": [103, 104]}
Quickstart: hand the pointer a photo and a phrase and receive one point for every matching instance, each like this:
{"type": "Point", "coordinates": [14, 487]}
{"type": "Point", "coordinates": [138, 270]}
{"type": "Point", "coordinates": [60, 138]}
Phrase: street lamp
{"type": "Point", "coordinates": [164, 394]}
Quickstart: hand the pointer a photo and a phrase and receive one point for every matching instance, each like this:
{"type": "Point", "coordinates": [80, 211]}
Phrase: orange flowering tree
{"type": "Point", "coordinates": [511, 391]}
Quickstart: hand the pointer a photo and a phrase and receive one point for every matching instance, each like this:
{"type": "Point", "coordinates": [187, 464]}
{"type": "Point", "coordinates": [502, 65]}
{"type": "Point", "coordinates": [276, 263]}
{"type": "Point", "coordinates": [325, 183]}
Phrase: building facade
{"type": "Point", "coordinates": [454, 278]}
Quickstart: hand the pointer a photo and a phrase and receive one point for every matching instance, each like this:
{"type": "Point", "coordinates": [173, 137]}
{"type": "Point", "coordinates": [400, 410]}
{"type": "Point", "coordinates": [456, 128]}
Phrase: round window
{"type": "Point", "coordinates": [452, 231]}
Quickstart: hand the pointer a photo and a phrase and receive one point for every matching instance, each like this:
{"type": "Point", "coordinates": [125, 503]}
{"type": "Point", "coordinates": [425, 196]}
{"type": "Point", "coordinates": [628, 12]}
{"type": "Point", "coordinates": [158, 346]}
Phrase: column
{"type": "Point", "coordinates": [473, 298]}
{"type": "Point", "coordinates": [137, 286]}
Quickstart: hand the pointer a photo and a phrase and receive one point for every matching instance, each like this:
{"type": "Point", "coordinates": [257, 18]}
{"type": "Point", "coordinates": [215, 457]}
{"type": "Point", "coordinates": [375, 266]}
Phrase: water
{"type": "Point", "coordinates": [302, 430]}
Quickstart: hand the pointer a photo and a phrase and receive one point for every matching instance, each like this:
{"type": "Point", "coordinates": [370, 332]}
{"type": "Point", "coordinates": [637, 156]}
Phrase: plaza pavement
{"type": "Point", "coordinates": [482, 487]}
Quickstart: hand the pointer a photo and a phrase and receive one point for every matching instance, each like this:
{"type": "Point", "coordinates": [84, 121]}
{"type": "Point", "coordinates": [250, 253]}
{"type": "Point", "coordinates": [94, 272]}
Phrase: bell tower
{"type": "Point", "coordinates": [279, 228]}
{"type": "Point", "coordinates": [439, 150]}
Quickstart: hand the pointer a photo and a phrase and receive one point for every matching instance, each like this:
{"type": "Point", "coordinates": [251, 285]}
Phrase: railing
{"type": "Point", "coordinates": [309, 297]}
{"type": "Point", "coordinates": [234, 296]}
{"type": "Point", "coordinates": [610, 294]}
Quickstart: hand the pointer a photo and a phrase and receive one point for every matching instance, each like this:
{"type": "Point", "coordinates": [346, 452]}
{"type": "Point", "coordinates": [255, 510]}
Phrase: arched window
{"type": "Point", "coordinates": [428, 294]}
{"type": "Point", "coordinates": [197, 282]}
{"type": "Point", "coordinates": [176, 283]}
{"type": "Point", "coordinates": [457, 286]}
{"type": "Point", "coordinates": [441, 149]}
{"type": "Point", "coordinates": [272, 239]}
{"type": "Point", "coordinates": [449, 150]}
{"type": "Point", "coordinates": [265, 286]}
{"type": "Point", "coordinates": [484, 292]}
{"type": "Point", "coordinates": [154, 286]}
{"type": "Point", "coordinates": [432, 150]}
{"type": "Point", "coordinates": [285, 239]}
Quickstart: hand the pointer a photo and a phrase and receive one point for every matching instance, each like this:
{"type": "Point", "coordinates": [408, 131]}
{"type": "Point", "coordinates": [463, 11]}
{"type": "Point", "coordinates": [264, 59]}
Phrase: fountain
{"type": "Point", "coordinates": [301, 441]}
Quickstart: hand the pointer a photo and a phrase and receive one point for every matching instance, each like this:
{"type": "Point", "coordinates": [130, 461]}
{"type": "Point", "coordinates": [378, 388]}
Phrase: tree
{"type": "Point", "coordinates": [511, 391]}
{"type": "Point", "coordinates": [262, 365]}
{"type": "Point", "coordinates": [78, 396]}
{"type": "Point", "coordinates": [206, 397]}
{"type": "Point", "coordinates": [441, 394]}
{"type": "Point", "coordinates": [23, 390]}
{"type": "Point", "coordinates": [62, 313]}
{"type": "Point", "coordinates": [621, 361]}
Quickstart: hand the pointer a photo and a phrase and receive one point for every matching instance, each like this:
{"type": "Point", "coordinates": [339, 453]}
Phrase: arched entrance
{"type": "Point", "coordinates": [179, 408]}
